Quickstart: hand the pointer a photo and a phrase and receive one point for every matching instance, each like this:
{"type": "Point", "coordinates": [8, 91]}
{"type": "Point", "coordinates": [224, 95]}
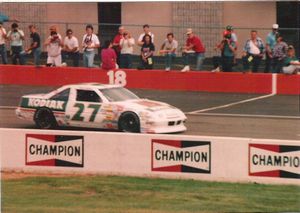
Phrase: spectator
{"type": "Point", "coordinates": [126, 43]}
{"type": "Point", "coordinates": [227, 47]}
{"type": "Point", "coordinates": [35, 46]}
{"type": "Point", "coordinates": [279, 53]}
{"type": "Point", "coordinates": [54, 45]}
{"type": "Point", "coordinates": [270, 43]}
{"type": "Point", "coordinates": [16, 37]}
{"type": "Point", "coordinates": [3, 37]}
{"type": "Point", "coordinates": [147, 51]}
{"type": "Point", "coordinates": [146, 29]}
{"type": "Point", "coordinates": [108, 56]}
{"type": "Point", "coordinates": [116, 43]}
{"type": "Point", "coordinates": [71, 48]}
{"type": "Point", "coordinates": [90, 43]}
{"type": "Point", "coordinates": [291, 63]}
{"type": "Point", "coordinates": [253, 52]}
{"type": "Point", "coordinates": [193, 47]}
{"type": "Point", "coordinates": [169, 49]}
{"type": "Point", "coordinates": [234, 38]}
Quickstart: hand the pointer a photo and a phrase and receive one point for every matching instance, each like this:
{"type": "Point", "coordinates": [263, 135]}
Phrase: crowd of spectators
{"type": "Point", "coordinates": [117, 53]}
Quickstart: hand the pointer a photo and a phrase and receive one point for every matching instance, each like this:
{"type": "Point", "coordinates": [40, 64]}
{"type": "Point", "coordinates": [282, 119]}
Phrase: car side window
{"type": "Point", "coordinates": [88, 95]}
{"type": "Point", "coordinates": [62, 96]}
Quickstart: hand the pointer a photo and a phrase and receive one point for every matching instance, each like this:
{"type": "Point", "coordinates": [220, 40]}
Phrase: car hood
{"type": "Point", "coordinates": [154, 107]}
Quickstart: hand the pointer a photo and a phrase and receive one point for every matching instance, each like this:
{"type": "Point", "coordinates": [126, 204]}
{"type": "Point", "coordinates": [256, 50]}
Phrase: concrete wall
{"type": "Point", "coordinates": [72, 13]}
{"type": "Point", "coordinates": [154, 13]}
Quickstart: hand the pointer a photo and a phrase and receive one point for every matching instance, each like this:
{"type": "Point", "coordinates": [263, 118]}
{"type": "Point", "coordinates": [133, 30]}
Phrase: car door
{"type": "Point", "coordinates": [84, 108]}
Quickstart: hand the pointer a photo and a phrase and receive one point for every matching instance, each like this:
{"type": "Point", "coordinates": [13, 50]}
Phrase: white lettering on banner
{"type": "Point", "coordinates": [118, 77]}
{"type": "Point", "coordinates": [40, 150]}
{"type": "Point", "coordinates": [262, 160]}
{"type": "Point", "coordinates": [53, 104]}
{"type": "Point", "coordinates": [195, 157]}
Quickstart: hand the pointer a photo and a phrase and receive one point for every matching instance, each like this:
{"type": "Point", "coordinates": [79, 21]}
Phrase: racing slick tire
{"type": "Point", "coordinates": [129, 122]}
{"type": "Point", "coordinates": [44, 119]}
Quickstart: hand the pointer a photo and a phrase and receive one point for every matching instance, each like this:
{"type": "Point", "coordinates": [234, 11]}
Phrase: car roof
{"type": "Point", "coordinates": [93, 85]}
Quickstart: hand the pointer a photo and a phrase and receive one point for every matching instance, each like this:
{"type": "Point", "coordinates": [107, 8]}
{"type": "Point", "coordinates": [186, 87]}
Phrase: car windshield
{"type": "Point", "coordinates": [118, 94]}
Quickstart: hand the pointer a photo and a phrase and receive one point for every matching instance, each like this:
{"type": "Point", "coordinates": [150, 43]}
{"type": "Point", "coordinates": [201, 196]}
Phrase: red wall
{"type": "Point", "coordinates": [153, 79]}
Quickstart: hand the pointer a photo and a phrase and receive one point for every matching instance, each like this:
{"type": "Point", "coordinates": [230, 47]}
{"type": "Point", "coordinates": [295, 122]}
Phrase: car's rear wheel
{"type": "Point", "coordinates": [45, 119]}
{"type": "Point", "coordinates": [129, 122]}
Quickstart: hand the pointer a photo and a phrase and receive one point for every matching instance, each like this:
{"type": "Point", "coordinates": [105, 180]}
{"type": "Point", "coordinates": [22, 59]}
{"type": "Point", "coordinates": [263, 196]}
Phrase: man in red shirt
{"type": "Point", "coordinates": [193, 47]}
{"type": "Point", "coordinates": [116, 43]}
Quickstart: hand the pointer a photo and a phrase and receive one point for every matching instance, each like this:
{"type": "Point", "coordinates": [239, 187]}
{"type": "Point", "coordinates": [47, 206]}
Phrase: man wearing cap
{"type": "Point", "coordinates": [233, 38]}
{"type": "Point", "coordinates": [193, 47]}
{"type": "Point", "coordinates": [270, 43]}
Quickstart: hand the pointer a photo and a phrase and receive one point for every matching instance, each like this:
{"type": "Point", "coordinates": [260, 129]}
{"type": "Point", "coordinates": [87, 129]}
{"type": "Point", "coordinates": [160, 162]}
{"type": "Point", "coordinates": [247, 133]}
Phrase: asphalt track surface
{"type": "Point", "coordinates": [209, 114]}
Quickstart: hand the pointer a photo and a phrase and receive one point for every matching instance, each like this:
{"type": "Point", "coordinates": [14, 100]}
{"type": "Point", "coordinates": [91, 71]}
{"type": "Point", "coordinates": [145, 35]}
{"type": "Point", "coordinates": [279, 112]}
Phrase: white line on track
{"type": "Point", "coordinates": [232, 104]}
{"type": "Point", "coordinates": [246, 115]}
{"type": "Point", "coordinates": [8, 107]}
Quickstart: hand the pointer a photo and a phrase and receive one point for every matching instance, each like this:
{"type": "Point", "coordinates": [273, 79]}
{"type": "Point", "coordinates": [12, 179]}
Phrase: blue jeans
{"type": "Point", "coordinates": [168, 59]}
{"type": "Point", "coordinates": [125, 61]}
{"type": "Point", "coordinates": [36, 56]}
{"type": "Point", "coordinates": [88, 58]}
{"type": "Point", "coordinates": [75, 56]}
{"type": "Point", "coordinates": [17, 53]}
{"type": "Point", "coordinates": [3, 53]}
{"type": "Point", "coordinates": [199, 56]}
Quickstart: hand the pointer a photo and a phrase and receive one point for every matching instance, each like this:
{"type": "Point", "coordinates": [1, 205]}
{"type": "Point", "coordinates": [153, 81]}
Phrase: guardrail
{"type": "Point", "coordinates": [168, 156]}
{"type": "Point", "coordinates": [259, 83]}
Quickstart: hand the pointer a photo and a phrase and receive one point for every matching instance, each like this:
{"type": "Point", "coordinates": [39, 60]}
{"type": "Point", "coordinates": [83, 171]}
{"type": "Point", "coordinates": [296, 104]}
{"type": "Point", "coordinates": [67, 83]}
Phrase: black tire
{"type": "Point", "coordinates": [129, 122]}
{"type": "Point", "coordinates": [44, 119]}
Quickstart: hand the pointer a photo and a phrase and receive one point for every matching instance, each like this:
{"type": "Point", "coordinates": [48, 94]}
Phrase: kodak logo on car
{"type": "Point", "coordinates": [281, 161]}
{"type": "Point", "coordinates": [181, 156]}
{"type": "Point", "coordinates": [37, 102]}
{"type": "Point", "coordinates": [54, 150]}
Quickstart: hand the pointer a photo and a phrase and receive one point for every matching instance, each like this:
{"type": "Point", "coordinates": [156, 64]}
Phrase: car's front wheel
{"type": "Point", "coordinates": [45, 119]}
{"type": "Point", "coordinates": [129, 122]}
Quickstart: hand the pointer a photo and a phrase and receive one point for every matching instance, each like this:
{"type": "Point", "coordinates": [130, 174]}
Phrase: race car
{"type": "Point", "coordinates": [94, 105]}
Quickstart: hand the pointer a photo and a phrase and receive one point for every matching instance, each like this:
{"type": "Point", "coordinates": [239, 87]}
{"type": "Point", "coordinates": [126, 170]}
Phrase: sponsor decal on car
{"type": "Point", "coordinates": [54, 150]}
{"type": "Point", "coordinates": [181, 156]}
{"type": "Point", "coordinates": [267, 160]}
{"type": "Point", "coordinates": [37, 102]}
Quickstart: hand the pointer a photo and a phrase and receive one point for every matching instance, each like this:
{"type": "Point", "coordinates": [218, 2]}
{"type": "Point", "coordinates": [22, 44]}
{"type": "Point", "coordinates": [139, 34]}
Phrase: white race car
{"type": "Point", "coordinates": [95, 105]}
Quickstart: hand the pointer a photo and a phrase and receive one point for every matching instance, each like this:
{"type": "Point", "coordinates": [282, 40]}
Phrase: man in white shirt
{"type": "Point", "coordinates": [90, 43]}
{"type": "Point", "coordinates": [54, 45]}
{"type": "Point", "coordinates": [16, 37]}
{"type": "Point", "coordinates": [146, 29]}
{"type": "Point", "coordinates": [253, 52]}
{"type": "Point", "coordinates": [3, 52]}
{"type": "Point", "coordinates": [71, 48]}
{"type": "Point", "coordinates": [169, 48]}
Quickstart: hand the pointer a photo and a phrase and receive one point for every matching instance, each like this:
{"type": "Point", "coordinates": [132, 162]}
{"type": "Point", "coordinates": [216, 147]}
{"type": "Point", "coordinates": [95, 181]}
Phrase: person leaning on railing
{"type": "Point", "coordinates": [71, 48]}
{"type": "Point", "coordinates": [253, 52]}
{"type": "Point", "coordinates": [193, 48]}
{"type": "Point", "coordinates": [291, 64]}
{"type": "Point", "coordinates": [169, 48]}
{"type": "Point", "coordinates": [279, 53]}
{"type": "Point", "coordinates": [126, 44]}
{"type": "Point", "coordinates": [147, 52]}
